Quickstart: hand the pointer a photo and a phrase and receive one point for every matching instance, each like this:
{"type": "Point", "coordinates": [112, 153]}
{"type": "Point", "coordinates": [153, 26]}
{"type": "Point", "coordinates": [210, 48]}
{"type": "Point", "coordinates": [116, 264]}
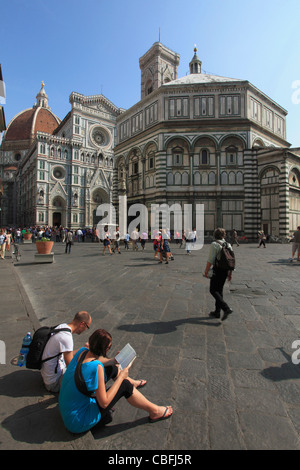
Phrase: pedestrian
{"type": "Point", "coordinates": [135, 239]}
{"type": "Point", "coordinates": [194, 237]}
{"type": "Point", "coordinates": [219, 276]}
{"type": "Point", "coordinates": [79, 235]}
{"type": "Point", "coordinates": [164, 247]}
{"type": "Point", "coordinates": [296, 245]}
{"type": "Point", "coordinates": [18, 236]}
{"type": "Point", "coordinates": [156, 243]}
{"type": "Point", "coordinates": [9, 240]}
{"type": "Point", "coordinates": [81, 412]}
{"type": "Point", "coordinates": [189, 241]}
{"type": "Point", "coordinates": [58, 352]}
{"type": "Point", "coordinates": [69, 241]}
{"type": "Point", "coordinates": [126, 240]}
{"type": "Point", "coordinates": [143, 239]}
{"type": "Point", "coordinates": [234, 238]}
{"type": "Point", "coordinates": [117, 241]}
{"type": "Point", "coordinates": [2, 243]}
{"type": "Point", "coordinates": [106, 241]}
{"type": "Point", "coordinates": [262, 239]}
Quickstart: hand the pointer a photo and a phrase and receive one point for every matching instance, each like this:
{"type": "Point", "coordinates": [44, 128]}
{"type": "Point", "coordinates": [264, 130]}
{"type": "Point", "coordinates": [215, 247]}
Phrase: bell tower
{"type": "Point", "coordinates": [158, 66]}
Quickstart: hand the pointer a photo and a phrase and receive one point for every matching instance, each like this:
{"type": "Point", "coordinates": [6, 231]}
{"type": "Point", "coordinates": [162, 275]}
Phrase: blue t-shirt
{"type": "Point", "coordinates": [79, 412]}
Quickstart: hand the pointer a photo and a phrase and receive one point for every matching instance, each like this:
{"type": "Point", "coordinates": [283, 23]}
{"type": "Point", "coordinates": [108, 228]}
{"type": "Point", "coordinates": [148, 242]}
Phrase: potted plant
{"type": "Point", "coordinates": [44, 246]}
{"type": "Point", "coordinates": [27, 235]}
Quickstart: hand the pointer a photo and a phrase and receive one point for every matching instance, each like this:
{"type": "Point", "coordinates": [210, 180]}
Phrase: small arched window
{"type": "Point", "coordinates": [204, 157]}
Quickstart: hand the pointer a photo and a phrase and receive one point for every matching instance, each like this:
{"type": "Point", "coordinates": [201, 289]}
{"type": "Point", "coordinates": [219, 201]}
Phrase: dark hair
{"type": "Point", "coordinates": [99, 342]}
{"type": "Point", "coordinates": [219, 233]}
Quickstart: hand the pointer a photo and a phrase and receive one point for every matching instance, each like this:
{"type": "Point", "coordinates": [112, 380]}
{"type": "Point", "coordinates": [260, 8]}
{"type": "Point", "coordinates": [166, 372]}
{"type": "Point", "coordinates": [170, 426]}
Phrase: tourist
{"type": "Point", "coordinates": [69, 241]}
{"type": "Point", "coordinates": [2, 243]}
{"type": "Point", "coordinates": [219, 276]}
{"type": "Point", "coordinates": [164, 247]}
{"type": "Point", "coordinates": [296, 245]}
{"type": "Point", "coordinates": [81, 412]}
{"type": "Point", "coordinates": [106, 241]}
{"type": "Point", "coordinates": [262, 239]}
{"type": "Point", "coordinates": [58, 352]}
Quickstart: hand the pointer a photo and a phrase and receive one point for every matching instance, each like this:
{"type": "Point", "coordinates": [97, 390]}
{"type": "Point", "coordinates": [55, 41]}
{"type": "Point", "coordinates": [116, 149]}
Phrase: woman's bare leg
{"type": "Point", "coordinates": [155, 411]}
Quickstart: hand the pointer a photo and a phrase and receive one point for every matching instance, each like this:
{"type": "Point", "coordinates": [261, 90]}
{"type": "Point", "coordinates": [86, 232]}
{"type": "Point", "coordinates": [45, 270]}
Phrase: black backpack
{"type": "Point", "coordinates": [226, 260]}
{"type": "Point", "coordinates": [37, 346]}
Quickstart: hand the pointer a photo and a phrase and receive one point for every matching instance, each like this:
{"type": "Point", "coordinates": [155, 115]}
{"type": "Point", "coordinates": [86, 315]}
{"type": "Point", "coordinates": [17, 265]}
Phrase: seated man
{"type": "Point", "coordinates": [60, 349]}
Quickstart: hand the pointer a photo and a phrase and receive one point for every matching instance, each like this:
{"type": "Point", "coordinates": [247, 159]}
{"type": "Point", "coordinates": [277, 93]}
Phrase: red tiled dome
{"type": "Point", "coordinates": [27, 123]}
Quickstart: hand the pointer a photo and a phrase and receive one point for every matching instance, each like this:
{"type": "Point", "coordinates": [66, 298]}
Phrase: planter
{"type": "Point", "coordinates": [44, 248]}
{"type": "Point", "coordinates": [27, 236]}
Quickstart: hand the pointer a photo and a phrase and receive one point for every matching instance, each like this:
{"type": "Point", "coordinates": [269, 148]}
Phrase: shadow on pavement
{"type": "Point", "coordinates": [285, 371]}
{"type": "Point", "coordinates": [102, 432]}
{"type": "Point", "coordinates": [164, 327]}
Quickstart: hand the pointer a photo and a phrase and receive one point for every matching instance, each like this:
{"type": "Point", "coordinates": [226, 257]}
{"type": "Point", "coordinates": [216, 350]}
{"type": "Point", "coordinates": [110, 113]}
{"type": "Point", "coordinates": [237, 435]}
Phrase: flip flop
{"type": "Point", "coordinates": [151, 420]}
{"type": "Point", "coordinates": [142, 384]}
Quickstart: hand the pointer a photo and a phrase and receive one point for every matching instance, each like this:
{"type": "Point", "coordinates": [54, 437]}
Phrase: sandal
{"type": "Point", "coordinates": [141, 384]}
{"type": "Point", "coordinates": [151, 420]}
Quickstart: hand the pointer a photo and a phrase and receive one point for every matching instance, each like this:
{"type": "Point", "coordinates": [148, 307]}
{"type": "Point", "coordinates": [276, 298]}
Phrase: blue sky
{"type": "Point", "coordinates": [94, 46]}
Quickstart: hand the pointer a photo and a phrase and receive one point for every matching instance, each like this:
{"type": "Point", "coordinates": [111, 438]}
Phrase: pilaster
{"type": "Point", "coordinates": [284, 199]}
{"type": "Point", "coordinates": [252, 217]}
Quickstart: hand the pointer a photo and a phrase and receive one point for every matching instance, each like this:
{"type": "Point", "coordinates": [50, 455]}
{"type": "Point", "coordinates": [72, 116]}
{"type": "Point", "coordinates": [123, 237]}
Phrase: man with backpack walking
{"type": "Point", "coordinates": [221, 258]}
{"type": "Point", "coordinates": [58, 351]}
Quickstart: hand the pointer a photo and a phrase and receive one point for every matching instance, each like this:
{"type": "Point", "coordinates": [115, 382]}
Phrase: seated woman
{"type": "Point", "coordinates": [81, 412]}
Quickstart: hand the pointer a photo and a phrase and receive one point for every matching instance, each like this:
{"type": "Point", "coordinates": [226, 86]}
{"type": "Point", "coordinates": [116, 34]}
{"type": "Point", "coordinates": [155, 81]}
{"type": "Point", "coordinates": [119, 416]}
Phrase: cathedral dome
{"type": "Point", "coordinates": [23, 127]}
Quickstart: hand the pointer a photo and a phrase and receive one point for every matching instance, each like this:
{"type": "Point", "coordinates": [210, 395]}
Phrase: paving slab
{"type": "Point", "coordinates": [232, 384]}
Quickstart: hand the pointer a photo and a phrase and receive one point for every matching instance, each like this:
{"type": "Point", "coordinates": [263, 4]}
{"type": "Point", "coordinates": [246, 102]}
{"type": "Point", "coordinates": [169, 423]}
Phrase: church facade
{"type": "Point", "coordinates": [200, 139]}
{"type": "Point", "coordinates": [64, 171]}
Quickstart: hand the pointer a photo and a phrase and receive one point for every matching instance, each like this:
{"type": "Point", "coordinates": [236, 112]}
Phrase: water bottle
{"type": "Point", "coordinates": [24, 350]}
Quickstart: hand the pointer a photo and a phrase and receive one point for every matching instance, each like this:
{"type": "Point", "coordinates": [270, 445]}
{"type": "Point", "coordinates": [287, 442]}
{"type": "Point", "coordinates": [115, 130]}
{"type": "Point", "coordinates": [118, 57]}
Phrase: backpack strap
{"type": "Point", "coordinates": [54, 332]}
{"type": "Point", "coordinates": [219, 252]}
{"type": "Point", "coordinates": [78, 377]}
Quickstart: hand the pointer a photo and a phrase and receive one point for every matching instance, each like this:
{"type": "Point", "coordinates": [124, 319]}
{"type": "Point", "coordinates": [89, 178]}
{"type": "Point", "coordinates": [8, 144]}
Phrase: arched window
{"type": "Point", "coordinates": [204, 157]}
{"type": "Point", "coordinates": [212, 178]}
{"type": "Point", "coordinates": [178, 178]}
{"type": "Point", "coordinates": [239, 177]}
{"type": "Point", "coordinates": [224, 178]}
{"type": "Point", "coordinates": [204, 178]}
{"type": "Point", "coordinates": [185, 178]}
{"type": "Point", "coordinates": [177, 156]}
{"type": "Point", "coordinates": [231, 177]}
{"type": "Point", "coordinates": [170, 179]}
{"type": "Point", "coordinates": [197, 178]}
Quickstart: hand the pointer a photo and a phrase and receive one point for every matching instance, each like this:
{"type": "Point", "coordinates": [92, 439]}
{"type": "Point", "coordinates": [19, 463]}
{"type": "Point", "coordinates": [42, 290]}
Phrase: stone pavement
{"type": "Point", "coordinates": [232, 384]}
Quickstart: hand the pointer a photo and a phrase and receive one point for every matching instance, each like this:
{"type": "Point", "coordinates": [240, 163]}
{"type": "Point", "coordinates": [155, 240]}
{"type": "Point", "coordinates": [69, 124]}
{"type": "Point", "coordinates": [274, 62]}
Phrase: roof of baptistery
{"type": "Point", "coordinates": [24, 126]}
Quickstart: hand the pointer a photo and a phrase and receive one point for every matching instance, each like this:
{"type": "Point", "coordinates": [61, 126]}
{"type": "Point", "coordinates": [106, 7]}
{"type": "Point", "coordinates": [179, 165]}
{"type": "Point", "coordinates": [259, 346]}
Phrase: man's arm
{"type": "Point", "coordinates": [208, 265]}
{"type": "Point", "coordinates": [68, 356]}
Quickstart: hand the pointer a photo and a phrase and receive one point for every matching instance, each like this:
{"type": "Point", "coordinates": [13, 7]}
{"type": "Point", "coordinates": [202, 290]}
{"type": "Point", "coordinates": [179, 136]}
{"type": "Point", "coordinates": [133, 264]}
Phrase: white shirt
{"type": "Point", "coordinates": [59, 343]}
{"type": "Point", "coordinates": [134, 235]}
